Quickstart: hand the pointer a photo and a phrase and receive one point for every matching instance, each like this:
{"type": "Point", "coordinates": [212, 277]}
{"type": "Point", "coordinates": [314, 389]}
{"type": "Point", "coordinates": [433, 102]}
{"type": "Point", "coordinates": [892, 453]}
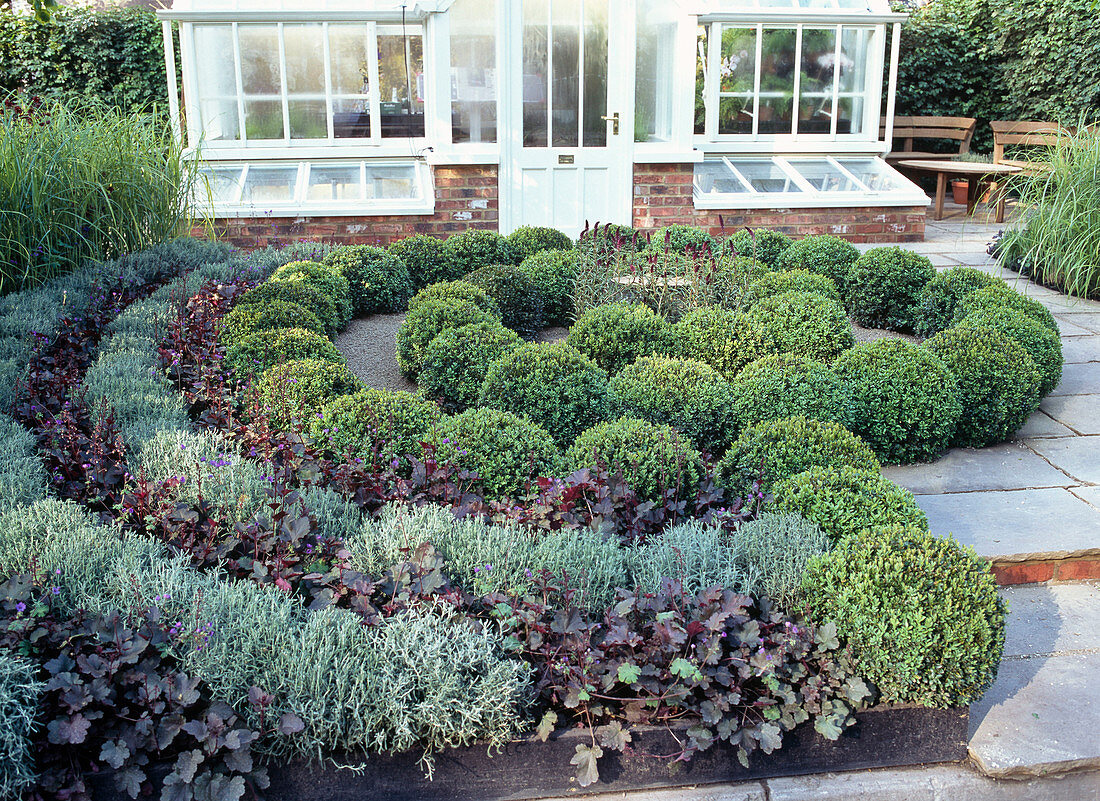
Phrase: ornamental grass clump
{"type": "Point", "coordinates": [326, 280]}
{"type": "Point", "coordinates": [483, 558]}
{"type": "Point", "coordinates": [884, 285]}
{"type": "Point", "coordinates": [1002, 296]}
{"type": "Point", "coordinates": [427, 321]}
{"type": "Point", "coordinates": [653, 459]}
{"type": "Point", "coordinates": [528, 240]}
{"type": "Point", "coordinates": [777, 282]}
{"type": "Point", "coordinates": [785, 385]}
{"type": "Point", "coordinates": [773, 451]}
{"type": "Point", "coordinates": [826, 255]}
{"type": "Point", "coordinates": [763, 245]}
{"type": "Point", "coordinates": [519, 299]}
{"type": "Point", "coordinates": [378, 426]}
{"type": "Point", "coordinates": [379, 281]}
{"type": "Point", "coordinates": [725, 339]}
{"type": "Point", "coordinates": [616, 334]}
{"type": "Point", "coordinates": [904, 400]}
{"type": "Point", "coordinates": [803, 323]}
{"type": "Point", "coordinates": [555, 385]}
{"type": "Point", "coordinates": [1043, 345]}
{"type": "Point", "coordinates": [255, 353]}
{"type": "Point", "coordinates": [921, 614]}
{"type": "Point", "coordinates": [937, 301]}
{"type": "Point", "coordinates": [506, 452]}
{"type": "Point", "coordinates": [242, 322]}
{"type": "Point", "coordinates": [457, 290]}
{"type": "Point", "coordinates": [846, 500]}
{"type": "Point", "coordinates": [456, 362]}
{"type": "Point", "coordinates": [306, 296]}
{"type": "Point", "coordinates": [998, 383]}
{"type": "Point", "coordinates": [688, 395]}
{"type": "Point", "coordinates": [294, 391]}
{"type": "Point", "coordinates": [554, 272]}
{"type": "Point", "coordinates": [427, 259]}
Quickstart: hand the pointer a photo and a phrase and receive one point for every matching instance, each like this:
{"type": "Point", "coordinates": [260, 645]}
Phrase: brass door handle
{"type": "Point", "coordinates": [614, 120]}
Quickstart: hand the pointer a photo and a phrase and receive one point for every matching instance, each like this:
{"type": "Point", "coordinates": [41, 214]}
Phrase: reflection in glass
{"type": "Point", "coordinates": [535, 62]}
{"type": "Point", "coordinates": [308, 119]}
{"type": "Point", "coordinates": [595, 73]}
{"type": "Point", "coordinates": [216, 78]}
{"type": "Point", "coordinates": [715, 176]}
{"type": "Point", "coordinates": [334, 183]}
{"type": "Point", "coordinates": [473, 71]}
{"type": "Point", "coordinates": [656, 31]}
{"type": "Point", "coordinates": [701, 79]}
{"type": "Point", "coordinates": [218, 184]}
{"type": "Point", "coordinates": [390, 183]}
{"type": "Point", "coordinates": [823, 176]}
{"type": "Point", "coordinates": [815, 105]}
{"type": "Point", "coordinates": [565, 79]}
{"type": "Point", "coordinates": [738, 68]}
{"type": "Point", "coordinates": [349, 59]}
{"type": "Point", "coordinates": [260, 59]}
{"type": "Point", "coordinates": [305, 59]}
{"type": "Point", "coordinates": [765, 176]}
{"type": "Point", "coordinates": [263, 119]}
{"type": "Point", "coordinates": [401, 80]}
{"type": "Point", "coordinates": [777, 66]}
{"type": "Point", "coordinates": [269, 185]}
{"type": "Point", "coordinates": [870, 173]}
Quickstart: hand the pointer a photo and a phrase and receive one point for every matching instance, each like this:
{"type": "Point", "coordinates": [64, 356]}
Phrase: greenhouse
{"type": "Point", "coordinates": [384, 118]}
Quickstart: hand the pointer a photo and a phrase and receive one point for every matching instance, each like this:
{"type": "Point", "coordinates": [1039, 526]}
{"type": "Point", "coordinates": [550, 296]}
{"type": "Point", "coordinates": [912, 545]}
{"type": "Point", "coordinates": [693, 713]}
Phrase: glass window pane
{"type": "Point", "coordinates": [735, 115]}
{"type": "Point", "coordinates": [351, 118]}
{"type": "Point", "coordinates": [401, 79]}
{"type": "Point", "coordinates": [334, 183]}
{"type": "Point", "coordinates": [850, 113]}
{"type": "Point", "coordinates": [595, 73]}
{"type": "Point", "coordinates": [700, 79]}
{"type": "Point", "coordinates": [654, 70]}
{"type": "Point", "coordinates": [260, 59]}
{"type": "Point", "coordinates": [854, 46]}
{"type": "Point", "coordinates": [823, 176]}
{"type": "Point", "coordinates": [218, 184]}
{"type": "Point", "coordinates": [473, 71]}
{"type": "Point", "coordinates": [777, 66]}
{"type": "Point", "coordinates": [349, 60]}
{"type": "Point", "coordinates": [715, 177]}
{"type": "Point", "coordinates": [565, 80]}
{"type": "Point", "coordinates": [391, 183]}
{"type": "Point", "coordinates": [216, 78]}
{"type": "Point", "coordinates": [305, 59]}
{"type": "Point", "coordinates": [535, 61]}
{"type": "Point", "coordinates": [765, 176]}
{"type": "Point", "coordinates": [308, 119]}
{"type": "Point", "coordinates": [263, 119]}
{"type": "Point", "coordinates": [269, 184]}
{"type": "Point", "coordinates": [738, 69]}
{"type": "Point", "coordinates": [871, 173]}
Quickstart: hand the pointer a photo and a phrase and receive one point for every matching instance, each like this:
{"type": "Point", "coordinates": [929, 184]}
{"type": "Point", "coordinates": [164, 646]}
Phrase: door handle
{"type": "Point", "coordinates": [614, 120]}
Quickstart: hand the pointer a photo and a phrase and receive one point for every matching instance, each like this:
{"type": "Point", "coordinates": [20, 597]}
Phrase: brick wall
{"type": "Point", "coordinates": [663, 196]}
{"type": "Point", "coordinates": [465, 197]}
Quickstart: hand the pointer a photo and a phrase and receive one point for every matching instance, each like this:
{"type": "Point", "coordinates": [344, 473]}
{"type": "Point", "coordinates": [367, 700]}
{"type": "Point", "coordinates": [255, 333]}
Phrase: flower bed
{"type": "Point", "coordinates": [199, 487]}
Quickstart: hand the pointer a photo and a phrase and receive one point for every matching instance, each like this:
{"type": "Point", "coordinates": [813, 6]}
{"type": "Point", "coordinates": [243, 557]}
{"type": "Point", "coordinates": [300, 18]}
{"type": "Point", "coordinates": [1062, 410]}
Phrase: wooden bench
{"type": "Point", "coordinates": [1024, 133]}
{"type": "Point", "coordinates": [910, 129]}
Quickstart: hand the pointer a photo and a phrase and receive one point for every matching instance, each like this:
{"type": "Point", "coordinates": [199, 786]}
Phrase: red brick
{"type": "Point", "coordinates": [1008, 573]}
{"type": "Point", "coordinates": [1078, 570]}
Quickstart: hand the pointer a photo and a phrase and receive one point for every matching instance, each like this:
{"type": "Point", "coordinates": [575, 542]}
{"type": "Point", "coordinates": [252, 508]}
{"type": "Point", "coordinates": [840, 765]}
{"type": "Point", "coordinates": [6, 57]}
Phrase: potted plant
{"type": "Point", "coordinates": [960, 187]}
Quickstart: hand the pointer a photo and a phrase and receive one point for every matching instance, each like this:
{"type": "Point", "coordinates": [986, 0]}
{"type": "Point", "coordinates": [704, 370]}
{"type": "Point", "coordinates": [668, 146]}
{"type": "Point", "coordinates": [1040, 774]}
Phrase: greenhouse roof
{"type": "Point", "coordinates": [359, 8]}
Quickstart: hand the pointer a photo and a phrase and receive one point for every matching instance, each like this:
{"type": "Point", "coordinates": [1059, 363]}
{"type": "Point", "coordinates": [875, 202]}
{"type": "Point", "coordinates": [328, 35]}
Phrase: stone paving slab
{"type": "Point", "coordinates": [1079, 412]}
{"type": "Point", "coordinates": [999, 467]}
{"type": "Point", "coordinates": [1090, 495]}
{"type": "Point", "coordinates": [1078, 379]}
{"type": "Point", "coordinates": [1040, 716]}
{"type": "Point", "coordinates": [1068, 328]}
{"type": "Point", "coordinates": [974, 258]}
{"type": "Point", "coordinates": [1041, 424]}
{"type": "Point", "coordinates": [1078, 456]}
{"type": "Point", "coordinates": [1017, 524]}
{"type": "Point", "coordinates": [1090, 321]}
{"type": "Point", "coordinates": [1078, 350]}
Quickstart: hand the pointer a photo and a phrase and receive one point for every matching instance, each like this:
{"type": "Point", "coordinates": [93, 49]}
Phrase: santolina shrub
{"type": "Point", "coordinates": [830, 256]}
{"type": "Point", "coordinates": [379, 281]}
{"type": "Point", "coordinates": [296, 390]}
{"type": "Point", "coordinates": [937, 301]}
{"type": "Point", "coordinates": [904, 400]}
{"type": "Point", "coordinates": [726, 340]}
{"type": "Point", "coordinates": [803, 323]}
{"type": "Point", "coordinates": [555, 385]}
{"type": "Point", "coordinates": [778, 449]}
{"type": "Point", "coordinates": [847, 500]}
{"type": "Point", "coordinates": [427, 260]}
{"type": "Point", "coordinates": [428, 320]}
{"type": "Point", "coordinates": [255, 353]}
{"type": "Point", "coordinates": [376, 425]}
{"type": "Point", "coordinates": [652, 458]}
{"type": "Point", "coordinates": [884, 285]}
{"type": "Point", "coordinates": [519, 299]}
{"type": "Point", "coordinates": [785, 385]}
{"type": "Point", "coordinates": [1042, 344]}
{"type": "Point", "coordinates": [506, 451]}
{"type": "Point", "coordinates": [921, 614]}
{"type": "Point", "coordinates": [616, 334]}
{"type": "Point", "coordinates": [456, 362]}
{"type": "Point", "coordinates": [20, 689]}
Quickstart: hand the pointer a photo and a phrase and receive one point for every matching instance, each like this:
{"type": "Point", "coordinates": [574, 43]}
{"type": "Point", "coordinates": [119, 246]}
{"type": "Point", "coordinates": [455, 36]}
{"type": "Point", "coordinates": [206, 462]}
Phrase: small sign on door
{"type": "Point", "coordinates": [565, 159]}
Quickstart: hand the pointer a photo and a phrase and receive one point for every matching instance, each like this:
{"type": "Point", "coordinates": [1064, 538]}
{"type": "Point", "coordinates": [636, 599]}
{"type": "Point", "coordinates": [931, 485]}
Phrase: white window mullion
{"type": "Point", "coordinates": [375, 84]}
{"type": "Point", "coordinates": [282, 86]}
{"type": "Point", "coordinates": [794, 175]}
{"type": "Point", "coordinates": [582, 77]}
{"type": "Point", "coordinates": [362, 180]}
{"type": "Point", "coordinates": [329, 111]}
{"type": "Point", "coordinates": [737, 174]}
{"type": "Point", "coordinates": [302, 184]}
{"type": "Point", "coordinates": [796, 99]}
{"type": "Point", "coordinates": [240, 80]}
{"type": "Point", "coordinates": [756, 83]}
{"type": "Point", "coordinates": [849, 174]}
{"type": "Point", "coordinates": [237, 196]}
{"type": "Point", "coordinates": [836, 82]}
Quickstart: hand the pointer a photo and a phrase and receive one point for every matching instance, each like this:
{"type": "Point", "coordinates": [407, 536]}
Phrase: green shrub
{"type": "Point", "coordinates": [427, 259]}
{"type": "Point", "coordinates": [786, 385]}
{"type": "Point", "coordinates": [846, 500]}
{"type": "Point", "coordinates": [556, 386]}
{"type": "Point", "coordinates": [688, 395]}
{"type": "Point", "coordinates": [722, 338]}
{"type": "Point", "coordinates": [682, 239]}
{"type": "Point", "coordinates": [884, 287]}
{"type": "Point", "coordinates": [763, 245]}
{"type": "Point", "coordinates": [554, 272]}
{"type": "Point", "coordinates": [484, 558]}
{"type": "Point", "coordinates": [427, 321]}
{"type": "Point", "coordinates": [652, 458]}
{"type": "Point", "coordinates": [779, 281]}
{"type": "Point", "coordinates": [766, 556]}
{"type": "Point", "coordinates": [803, 323]}
{"type": "Point", "coordinates": [379, 281]}
{"type": "Point", "coordinates": [302, 294]}
{"type": "Point", "coordinates": [1002, 296]}
{"type": "Point", "coordinates": [526, 241]}
{"type": "Point", "coordinates": [830, 256]}
{"type": "Point", "coordinates": [519, 299]}
{"type": "Point", "coordinates": [255, 353]}
{"type": "Point", "coordinates": [778, 449]}
{"type": "Point", "coordinates": [997, 379]}
{"type": "Point", "coordinates": [506, 451]}
{"type": "Point", "coordinates": [326, 280]}
{"type": "Point", "coordinates": [936, 304]}
{"type": "Point", "coordinates": [615, 334]}
{"type": "Point", "coordinates": [296, 390]}
{"type": "Point", "coordinates": [729, 279]}
{"type": "Point", "coordinates": [607, 238]}
{"type": "Point", "coordinates": [473, 249]}
{"type": "Point", "coordinates": [904, 400]}
{"type": "Point", "coordinates": [240, 323]}
{"type": "Point", "coordinates": [19, 691]}
{"type": "Point", "coordinates": [1044, 346]}
{"type": "Point", "coordinates": [921, 614]}
{"type": "Point", "coordinates": [457, 361]}
{"type": "Point", "coordinates": [376, 425]}
{"type": "Point", "coordinates": [456, 291]}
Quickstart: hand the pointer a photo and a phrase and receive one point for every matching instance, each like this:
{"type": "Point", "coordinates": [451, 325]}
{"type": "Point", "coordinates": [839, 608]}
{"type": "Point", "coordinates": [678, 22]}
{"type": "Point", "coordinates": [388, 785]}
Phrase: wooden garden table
{"type": "Point", "coordinates": [973, 171]}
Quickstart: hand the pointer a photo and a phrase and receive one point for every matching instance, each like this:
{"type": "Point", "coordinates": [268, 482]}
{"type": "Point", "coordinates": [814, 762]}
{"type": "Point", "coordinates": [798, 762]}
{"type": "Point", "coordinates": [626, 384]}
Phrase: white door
{"type": "Point", "coordinates": [567, 157]}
